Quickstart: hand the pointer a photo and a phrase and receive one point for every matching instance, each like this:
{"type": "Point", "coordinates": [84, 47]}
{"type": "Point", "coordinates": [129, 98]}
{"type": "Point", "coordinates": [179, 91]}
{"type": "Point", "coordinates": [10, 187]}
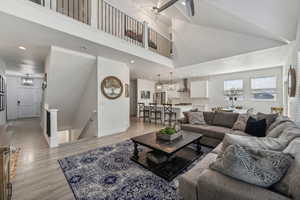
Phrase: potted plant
{"type": "Point", "coordinates": [169, 134]}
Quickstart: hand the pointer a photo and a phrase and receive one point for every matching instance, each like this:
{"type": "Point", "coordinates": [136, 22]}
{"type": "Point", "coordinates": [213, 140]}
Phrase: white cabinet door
{"type": "Point", "coordinates": [199, 89]}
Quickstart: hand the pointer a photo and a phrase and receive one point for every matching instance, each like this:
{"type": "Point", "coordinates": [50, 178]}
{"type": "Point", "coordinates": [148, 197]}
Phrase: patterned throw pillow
{"type": "Point", "coordinates": [259, 167]}
{"type": "Point", "coordinates": [241, 122]}
{"type": "Point", "coordinates": [196, 118]}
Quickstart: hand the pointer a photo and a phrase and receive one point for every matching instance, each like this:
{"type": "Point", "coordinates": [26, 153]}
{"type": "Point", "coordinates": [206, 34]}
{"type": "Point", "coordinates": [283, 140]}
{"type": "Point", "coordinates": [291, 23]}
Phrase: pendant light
{"type": "Point", "coordinates": [158, 85]}
{"type": "Point", "coordinates": [171, 86]}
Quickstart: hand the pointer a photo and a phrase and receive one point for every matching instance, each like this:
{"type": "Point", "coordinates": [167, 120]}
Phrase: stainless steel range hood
{"type": "Point", "coordinates": [184, 86]}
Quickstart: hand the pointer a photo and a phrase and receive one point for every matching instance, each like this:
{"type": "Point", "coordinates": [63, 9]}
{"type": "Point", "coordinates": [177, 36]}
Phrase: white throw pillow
{"type": "Point", "coordinates": [196, 118]}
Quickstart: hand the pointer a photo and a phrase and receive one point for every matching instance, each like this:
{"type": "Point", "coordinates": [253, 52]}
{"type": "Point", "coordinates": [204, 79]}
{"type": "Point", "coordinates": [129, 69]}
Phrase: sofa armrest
{"type": "Point", "coordinates": [215, 186]}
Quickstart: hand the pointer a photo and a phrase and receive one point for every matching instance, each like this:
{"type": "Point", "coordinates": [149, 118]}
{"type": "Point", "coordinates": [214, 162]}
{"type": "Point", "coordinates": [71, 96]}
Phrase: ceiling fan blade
{"type": "Point", "coordinates": [190, 7]}
{"type": "Point", "coordinates": [166, 5]}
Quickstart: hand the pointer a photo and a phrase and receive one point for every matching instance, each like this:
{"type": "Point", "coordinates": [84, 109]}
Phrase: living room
{"type": "Point", "coordinates": [166, 100]}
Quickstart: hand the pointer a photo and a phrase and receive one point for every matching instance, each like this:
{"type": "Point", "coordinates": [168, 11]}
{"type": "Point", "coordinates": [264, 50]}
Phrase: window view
{"type": "Point", "coordinates": [264, 88]}
{"type": "Point", "coordinates": [233, 89]}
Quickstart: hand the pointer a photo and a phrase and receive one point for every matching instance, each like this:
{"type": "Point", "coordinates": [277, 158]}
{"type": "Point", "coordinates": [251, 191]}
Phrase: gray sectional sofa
{"type": "Point", "coordinates": [203, 183]}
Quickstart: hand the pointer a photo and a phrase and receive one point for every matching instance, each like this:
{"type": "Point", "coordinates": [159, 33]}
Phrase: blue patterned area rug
{"type": "Point", "coordinates": [107, 173]}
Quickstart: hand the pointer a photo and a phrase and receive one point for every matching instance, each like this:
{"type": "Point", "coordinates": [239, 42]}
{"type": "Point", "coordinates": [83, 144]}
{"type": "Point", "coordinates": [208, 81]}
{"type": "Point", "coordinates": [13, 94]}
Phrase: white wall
{"type": "Point", "coordinates": [2, 72]}
{"type": "Point", "coordinates": [113, 115]}
{"type": "Point", "coordinates": [293, 60]}
{"type": "Point", "coordinates": [145, 85]}
{"type": "Point", "coordinates": [87, 105]}
{"type": "Point", "coordinates": [68, 73]}
{"type": "Point", "coordinates": [216, 90]}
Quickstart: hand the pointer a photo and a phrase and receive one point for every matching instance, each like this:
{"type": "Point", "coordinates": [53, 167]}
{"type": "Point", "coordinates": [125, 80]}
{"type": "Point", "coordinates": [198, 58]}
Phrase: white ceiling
{"type": "Point", "coordinates": [260, 26]}
{"type": "Point", "coordinates": [197, 44]}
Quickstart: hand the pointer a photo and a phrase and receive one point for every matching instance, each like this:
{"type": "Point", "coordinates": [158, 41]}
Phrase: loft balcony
{"type": "Point", "coordinates": [109, 19]}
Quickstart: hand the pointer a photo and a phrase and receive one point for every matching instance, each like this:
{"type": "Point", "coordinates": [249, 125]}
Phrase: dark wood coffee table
{"type": "Point", "coordinates": [180, 156]}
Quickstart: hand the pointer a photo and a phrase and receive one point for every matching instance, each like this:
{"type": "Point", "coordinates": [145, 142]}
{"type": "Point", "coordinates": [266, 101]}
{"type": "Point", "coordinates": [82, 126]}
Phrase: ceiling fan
{"type": "Point", "coordinates": [190, 6]}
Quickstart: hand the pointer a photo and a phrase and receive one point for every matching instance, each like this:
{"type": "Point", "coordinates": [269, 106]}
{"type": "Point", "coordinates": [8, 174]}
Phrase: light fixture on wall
{"type": "Point", "coordinates": [132, 61]}
{"type": "Point", "coordinates": [158, 85]}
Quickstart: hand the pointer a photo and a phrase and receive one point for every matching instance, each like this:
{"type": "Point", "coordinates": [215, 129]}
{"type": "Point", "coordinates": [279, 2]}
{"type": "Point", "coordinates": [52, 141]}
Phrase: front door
{"type": "Point", "coordinates": [27, 103]}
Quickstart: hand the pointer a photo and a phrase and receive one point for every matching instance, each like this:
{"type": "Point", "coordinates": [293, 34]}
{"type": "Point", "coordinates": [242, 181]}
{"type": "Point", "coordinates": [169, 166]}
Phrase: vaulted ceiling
{"type": "Point", "coordinates": [223, 29]}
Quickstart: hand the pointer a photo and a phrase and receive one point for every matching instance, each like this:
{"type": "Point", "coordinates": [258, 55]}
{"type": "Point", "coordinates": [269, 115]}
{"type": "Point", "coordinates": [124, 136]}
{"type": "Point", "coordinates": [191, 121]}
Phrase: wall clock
{"type": "Point", "coordinates": [112, 87]}
{"type": "Point", "coordinates": [292, 82]}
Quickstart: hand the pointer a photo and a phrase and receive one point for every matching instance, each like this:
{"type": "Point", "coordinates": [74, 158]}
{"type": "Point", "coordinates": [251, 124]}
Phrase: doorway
{"type": "Point", "coordinates": [23, 98]}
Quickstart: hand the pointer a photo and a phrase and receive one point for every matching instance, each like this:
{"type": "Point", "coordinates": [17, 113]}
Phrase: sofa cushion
{"type": "Point", "coordinates": [188, 181]}
{"type": "Point", "coordinates": [241, 122]}
{"type": "Point", "coordinates": [209, 117]}
{"type": "Point", "coordinates": [259, 167]}
{"type": "Point", "coordinates": [277, 130]}
{"type": "Point", "coordinates": [256, 128]}
{"type": "Point", "coordinates": [216, 186]}
{"type": "Point", "coordinates": [218, 149]}
{"type": "Point", "coordinates": [270, 118]}
{"type": "Point", "coordinates": [279, 120]}
{"type": "Point", "coordinates": [289, 134]}
{"type": "Point", "coordinates": [207, 130]}
{"type": "Point", "coordinates": [225, 119]}
{"type": "Point", "coordinates": [263, 143]}
{"type": "Point", "coordinates": [196, 118]}
{"type": "Point", "coordinates": [290, 184]}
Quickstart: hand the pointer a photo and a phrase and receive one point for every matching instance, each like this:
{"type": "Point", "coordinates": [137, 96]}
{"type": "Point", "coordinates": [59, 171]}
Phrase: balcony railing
{"type": "Point", "coordinates": [112, 21]}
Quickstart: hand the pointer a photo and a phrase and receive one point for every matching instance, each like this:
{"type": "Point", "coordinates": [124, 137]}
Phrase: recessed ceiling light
{"type": "Point", "coordinates": [132, 61]}
{"type": "Point", "coordinates": [22, 48]}
{"type": "Point", "coordinates": [183, 3]}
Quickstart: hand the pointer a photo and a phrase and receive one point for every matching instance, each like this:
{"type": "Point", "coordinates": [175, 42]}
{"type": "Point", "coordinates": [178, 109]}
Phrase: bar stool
{"type": "Point", "coordinates": [146, 114]}
{"type": "Point", "coordinates": [155, 114]}
{"type": "Point", "coordinates": [141, 107]}
{"type": "Point", "coordinates": [169, 113]}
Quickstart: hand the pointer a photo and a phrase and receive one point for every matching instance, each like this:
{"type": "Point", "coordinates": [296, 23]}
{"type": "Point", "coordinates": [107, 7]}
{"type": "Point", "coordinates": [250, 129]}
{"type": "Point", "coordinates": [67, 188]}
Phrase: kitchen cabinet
{"type": "Point", "coordinates": [199, 89]}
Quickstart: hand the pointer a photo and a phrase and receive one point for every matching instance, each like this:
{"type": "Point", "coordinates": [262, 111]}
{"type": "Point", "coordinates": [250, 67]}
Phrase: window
{"type": "Point", "coordinates": [264, 88]}
{"type": "Point", "coordinates": [233, 89]}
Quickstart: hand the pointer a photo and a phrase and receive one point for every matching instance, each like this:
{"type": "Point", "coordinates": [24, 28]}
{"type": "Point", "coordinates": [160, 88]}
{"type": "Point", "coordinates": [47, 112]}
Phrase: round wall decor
{"type": "Point", "coordinates": [112, 87]}
{"type": "Point", "coordinates": [292, 82]}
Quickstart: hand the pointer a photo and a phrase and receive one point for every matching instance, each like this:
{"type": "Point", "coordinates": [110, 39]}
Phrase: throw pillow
{"type": "Point", "coordinates": [276, 131]}
{"type": "Point", "coordinates": [241, 122]}
{"type": "Point", "coordinates": [209, 117]}
{"type": "Point", "coordinates": [186, 118]}
{"type": "Point", "coordinates": [278, 121]}
{"type": "Point", "coordinates": [258, 167]}
{"type": "Point", "coordinates": [256, 127]}
{"type": "Point", "coordinates": [225, 119]}
{"type": "Point", "coordinates": [270, 118]}
{"type": "Point", "coordinates": [196, 118]}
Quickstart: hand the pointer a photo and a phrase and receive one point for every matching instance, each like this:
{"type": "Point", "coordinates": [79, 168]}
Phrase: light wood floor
{"type": "Point", "coordinates": [39, 176]}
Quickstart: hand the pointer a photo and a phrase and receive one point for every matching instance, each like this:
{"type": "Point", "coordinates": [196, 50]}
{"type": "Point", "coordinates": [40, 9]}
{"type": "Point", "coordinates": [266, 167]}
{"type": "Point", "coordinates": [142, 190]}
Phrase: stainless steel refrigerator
{"type": "Point", "coordinates": [160, 97]}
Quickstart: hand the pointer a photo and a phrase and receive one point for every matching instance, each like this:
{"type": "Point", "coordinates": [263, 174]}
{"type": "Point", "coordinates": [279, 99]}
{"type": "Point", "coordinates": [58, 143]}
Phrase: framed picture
{"type": "Point", "coordinates": [112, 87]}
{"type": "Point", "coordinates": [145, 94]}
{"type": "Point", "coordinates": [127, 91]}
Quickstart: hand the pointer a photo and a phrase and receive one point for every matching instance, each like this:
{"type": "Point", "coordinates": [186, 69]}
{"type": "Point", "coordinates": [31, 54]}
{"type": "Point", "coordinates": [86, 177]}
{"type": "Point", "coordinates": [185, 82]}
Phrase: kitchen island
{"type": "Point", "coordinates": [178, 109]}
